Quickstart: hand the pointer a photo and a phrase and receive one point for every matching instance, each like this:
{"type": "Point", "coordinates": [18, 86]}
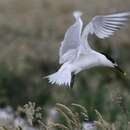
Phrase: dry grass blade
{"type": "Point", "coordinates": [99, 125]}
{"type": "Point", "coordinates": [67, 110]}
{"type": "Point", "coordinates": [101, 122]}
{"type": "Point", "coordinates": [71, 117]}
{"type": "Point", "coordinates": [42, 124]}
{"type": "Point", "coordinates": [80, 107]}
{"type": "Point", "coordinates": [99, 116]}
{"type": "Point", "coordinates": [68, 120]}
{"type": "Point", "coordinates": [84, 111]}
{"type": "Point", "coordinates": [63, 107]}
{"type": "Point", "coordinates": [57, 125]}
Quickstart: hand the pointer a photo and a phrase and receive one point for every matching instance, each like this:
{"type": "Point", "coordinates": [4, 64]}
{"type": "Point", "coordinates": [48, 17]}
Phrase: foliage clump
{"type": "Point", "coordinates": [71, 117]}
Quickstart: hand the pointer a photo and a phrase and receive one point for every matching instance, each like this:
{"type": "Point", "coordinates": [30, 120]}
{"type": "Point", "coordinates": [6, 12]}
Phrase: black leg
{"type": "Point", "coordinates": [72, 81]}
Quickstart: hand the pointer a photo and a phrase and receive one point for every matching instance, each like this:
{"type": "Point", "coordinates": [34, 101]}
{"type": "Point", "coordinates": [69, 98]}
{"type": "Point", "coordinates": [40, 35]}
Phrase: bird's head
{"type": "Point", "coordinates": [77, 14]}
{"type": "Point", "coordinates": [113, 64]}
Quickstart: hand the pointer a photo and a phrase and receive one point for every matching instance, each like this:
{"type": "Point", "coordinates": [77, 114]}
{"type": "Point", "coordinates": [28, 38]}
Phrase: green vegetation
{"type": "Point", "coordinates": [73, 117]}
{"type": "Point", "coordinates": [30, 35]}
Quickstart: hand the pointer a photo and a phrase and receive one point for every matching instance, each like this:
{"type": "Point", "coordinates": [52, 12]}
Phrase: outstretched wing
{"type": "Point", "coordinates": [104, 26]}
{"type": "Point", "coordinates": [71, 40]}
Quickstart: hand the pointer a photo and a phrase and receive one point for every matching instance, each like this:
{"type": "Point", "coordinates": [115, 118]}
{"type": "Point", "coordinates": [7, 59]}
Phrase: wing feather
{"type": "Point", "coordinates": [71, 40]}
{"type": "Point", "coordinates": [104, 26]}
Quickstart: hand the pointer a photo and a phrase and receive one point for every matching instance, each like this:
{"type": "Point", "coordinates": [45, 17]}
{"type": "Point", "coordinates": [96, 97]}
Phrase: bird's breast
{"type": "Point", "coordinates": [84, 62]}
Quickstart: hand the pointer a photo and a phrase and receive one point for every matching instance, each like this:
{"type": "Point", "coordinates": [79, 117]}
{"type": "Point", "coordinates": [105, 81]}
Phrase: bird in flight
{"type": "Point", "coordinates": [76, 55]}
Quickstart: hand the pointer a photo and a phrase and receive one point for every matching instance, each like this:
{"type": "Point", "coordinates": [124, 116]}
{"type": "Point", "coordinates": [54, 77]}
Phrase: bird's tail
{"type": "Point", "coordinates": [61, 77]}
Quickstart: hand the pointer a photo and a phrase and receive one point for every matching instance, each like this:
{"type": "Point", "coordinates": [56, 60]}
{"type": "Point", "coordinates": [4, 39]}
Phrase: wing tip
{"type": "Point", "coordinates": [120, 14]}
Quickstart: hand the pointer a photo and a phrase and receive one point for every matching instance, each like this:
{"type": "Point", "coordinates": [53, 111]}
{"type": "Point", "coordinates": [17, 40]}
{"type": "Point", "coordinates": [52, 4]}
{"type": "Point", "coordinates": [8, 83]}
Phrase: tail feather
{"type": "Point", "coordinates": [60, 78]}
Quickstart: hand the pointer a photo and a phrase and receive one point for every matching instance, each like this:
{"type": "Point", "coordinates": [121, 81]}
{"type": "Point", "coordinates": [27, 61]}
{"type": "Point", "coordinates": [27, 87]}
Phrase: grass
{"type": "Point", "coordinates": [69, 118]}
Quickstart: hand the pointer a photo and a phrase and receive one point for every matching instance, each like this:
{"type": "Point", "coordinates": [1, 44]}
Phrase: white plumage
{"type": "Point", "coordinates": [75, 53]}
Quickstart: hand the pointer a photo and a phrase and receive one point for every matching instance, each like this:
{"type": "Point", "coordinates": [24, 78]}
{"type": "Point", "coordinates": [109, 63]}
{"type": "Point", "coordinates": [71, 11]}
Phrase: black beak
{"type": "Point", "coordinates": [117, 67]}
{"type": "Point", "coordinates": [72, 81]}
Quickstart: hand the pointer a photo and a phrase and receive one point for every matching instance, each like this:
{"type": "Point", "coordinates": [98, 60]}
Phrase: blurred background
{"type": "Point", "coordinates": [30, 36]}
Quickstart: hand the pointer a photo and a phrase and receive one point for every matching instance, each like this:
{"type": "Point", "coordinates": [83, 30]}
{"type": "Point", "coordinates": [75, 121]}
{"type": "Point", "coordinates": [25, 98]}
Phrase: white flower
{"type": "Point", "coordinates": [88, 126]}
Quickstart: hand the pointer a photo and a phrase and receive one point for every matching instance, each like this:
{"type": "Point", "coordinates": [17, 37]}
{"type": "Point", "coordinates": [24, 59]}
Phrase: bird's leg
{"type": "Point", "coordinates": [72, 80]}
